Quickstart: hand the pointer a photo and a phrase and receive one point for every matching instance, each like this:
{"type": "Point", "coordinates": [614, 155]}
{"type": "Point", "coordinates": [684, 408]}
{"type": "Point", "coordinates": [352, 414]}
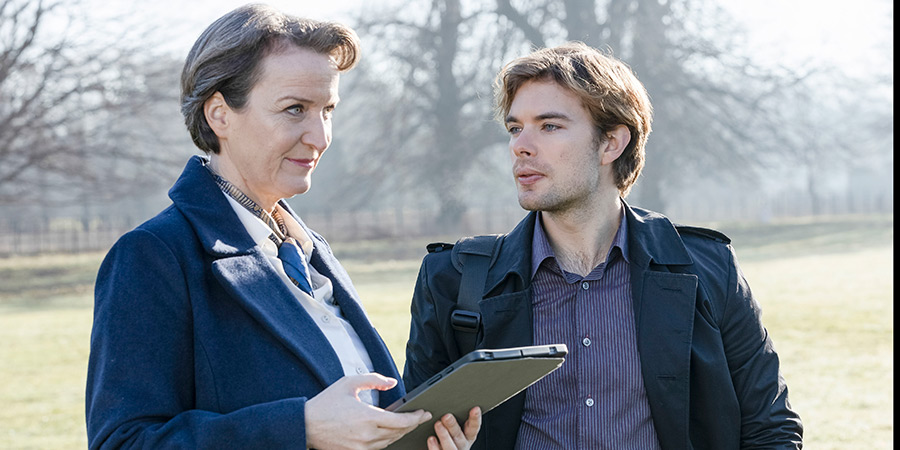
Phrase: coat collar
{"type": "Point", "coordinates": [245, 272]}
{"type": "Point", "coordinates": [514, 259]}
{"type": "Point", "coordinates": [651, 239]}
{"type": "Point", "coordinates": [199, 198]}
{"type": "Point", "coordinates": [220, 230]}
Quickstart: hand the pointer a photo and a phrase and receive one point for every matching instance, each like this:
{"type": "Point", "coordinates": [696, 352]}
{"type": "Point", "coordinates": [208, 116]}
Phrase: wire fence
{"type": "Point", "coordinates": [41, 235]}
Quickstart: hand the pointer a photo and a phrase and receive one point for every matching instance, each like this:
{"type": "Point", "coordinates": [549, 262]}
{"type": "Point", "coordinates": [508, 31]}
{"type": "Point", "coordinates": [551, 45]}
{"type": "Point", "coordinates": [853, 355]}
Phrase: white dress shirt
{"type": "Point", "coordinates": [323, 310]}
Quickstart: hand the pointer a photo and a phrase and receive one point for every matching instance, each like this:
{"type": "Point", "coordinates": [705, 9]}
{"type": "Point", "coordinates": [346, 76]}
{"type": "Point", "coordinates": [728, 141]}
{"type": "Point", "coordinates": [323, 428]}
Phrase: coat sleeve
{"type": "Point", "coordinates": [141, 381]}
{"type": "Point", "coordinates": [431, 346]}
{"type": "Point", "coordinates": [767, 420]}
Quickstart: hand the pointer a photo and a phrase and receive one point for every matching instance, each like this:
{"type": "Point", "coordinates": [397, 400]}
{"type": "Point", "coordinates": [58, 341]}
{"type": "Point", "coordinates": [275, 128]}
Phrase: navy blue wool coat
{"type": "Point", "coordinates": [197, 342]}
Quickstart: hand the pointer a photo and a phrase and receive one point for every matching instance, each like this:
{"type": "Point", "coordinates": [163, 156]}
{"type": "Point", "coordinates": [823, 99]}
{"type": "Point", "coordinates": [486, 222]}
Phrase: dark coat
{"type": "Point", "coordinates": [197, 342]}
{"type": "Point", "coordinates": [709, 368]}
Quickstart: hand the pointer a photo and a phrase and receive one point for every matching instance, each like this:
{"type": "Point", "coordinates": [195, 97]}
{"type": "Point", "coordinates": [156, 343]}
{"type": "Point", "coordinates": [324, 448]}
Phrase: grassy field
{"type": "Point", "coordinates": [825, 285]}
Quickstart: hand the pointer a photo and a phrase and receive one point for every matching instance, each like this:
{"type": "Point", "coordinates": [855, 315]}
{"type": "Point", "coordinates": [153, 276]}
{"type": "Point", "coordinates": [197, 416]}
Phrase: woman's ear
{"type": "Point", "coordinates": [216, 111]}
{"type": "Point", "coordinates": [615, 142]}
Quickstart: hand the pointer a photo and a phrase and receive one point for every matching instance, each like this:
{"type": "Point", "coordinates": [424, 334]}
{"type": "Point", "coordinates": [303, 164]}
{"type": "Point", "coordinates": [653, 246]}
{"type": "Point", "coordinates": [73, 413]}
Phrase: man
{"type": "Point", "coordinates": [666, 347]}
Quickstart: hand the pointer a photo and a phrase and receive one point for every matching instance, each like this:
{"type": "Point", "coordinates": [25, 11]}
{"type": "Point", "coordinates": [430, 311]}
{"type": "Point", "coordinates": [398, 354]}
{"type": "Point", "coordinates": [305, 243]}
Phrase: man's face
{"type": "Point", "coordinates": [275, 141]}
{"type": "Point", "coordinates": [554, 148]}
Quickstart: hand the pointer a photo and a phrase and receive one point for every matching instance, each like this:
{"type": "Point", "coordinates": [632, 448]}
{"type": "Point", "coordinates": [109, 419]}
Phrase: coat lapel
{"type": "Point", "coordinates": [247, 275]}
{"type": "Point", "coordinates": [506, 305]}
{"type": "Point", "coordinates": [664, 305]}
{"type": "Point", "coordinates": [252, 281]}
{"type": "Point", "coordinates": [349, 301]}
{"type": "Point", "coordinates": [664, 333]}
{"type": "Point", "coordinates": [508, 322]}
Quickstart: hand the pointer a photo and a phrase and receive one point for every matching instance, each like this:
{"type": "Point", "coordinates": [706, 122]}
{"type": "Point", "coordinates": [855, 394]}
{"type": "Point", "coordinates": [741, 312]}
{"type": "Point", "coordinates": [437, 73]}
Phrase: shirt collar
{"type": "Point", "coordinates": [261, 233]}
{"type": "Point", "coordinates": [541, 249]}
{"type": "Point", "coordinates": [261, 225]}
{"type": "Point", "coordinates": [256, 228]}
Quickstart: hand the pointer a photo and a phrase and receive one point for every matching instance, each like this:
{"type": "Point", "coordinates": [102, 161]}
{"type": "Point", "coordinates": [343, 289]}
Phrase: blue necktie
{"type": "Point", "coordinates": [291, 256]}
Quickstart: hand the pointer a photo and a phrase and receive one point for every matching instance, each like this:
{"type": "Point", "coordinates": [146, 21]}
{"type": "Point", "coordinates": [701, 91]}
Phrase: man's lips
{"type": "Point", "coordinates": [528, 176]}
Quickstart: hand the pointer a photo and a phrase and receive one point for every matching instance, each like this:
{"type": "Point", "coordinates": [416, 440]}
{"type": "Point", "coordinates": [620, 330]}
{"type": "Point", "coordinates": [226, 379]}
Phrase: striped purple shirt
{"type": "Point", "coordinates": [596, 400]}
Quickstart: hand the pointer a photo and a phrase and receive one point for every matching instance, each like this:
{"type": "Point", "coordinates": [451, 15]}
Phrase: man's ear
{"type": "Point", "coordinates": [614, 144]}
{"type": "Point", "coordinates": [217, 113]}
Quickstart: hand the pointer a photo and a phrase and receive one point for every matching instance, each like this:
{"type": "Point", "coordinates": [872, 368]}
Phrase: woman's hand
{"type": "Point", "coordinates": [337, 419]}
{"type": "Point", "coordinates": [451, 437]}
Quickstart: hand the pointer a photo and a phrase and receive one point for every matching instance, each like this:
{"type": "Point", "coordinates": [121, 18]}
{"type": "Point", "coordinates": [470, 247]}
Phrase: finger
{"type": "Point", "coordinates": [385, 436]}
{"type": "Point", "coordinates": [356, 383]}
{"type": "Point", "coordinates": [433, 443]}
{"type": "Point", "coordinates": [443, 435]}
{"type": "Point", "coordinates": [473, 424]}
{"type": "Point", "coordinates": [401, 421]}
{"type": "Point", "coordinates": [453, 430]}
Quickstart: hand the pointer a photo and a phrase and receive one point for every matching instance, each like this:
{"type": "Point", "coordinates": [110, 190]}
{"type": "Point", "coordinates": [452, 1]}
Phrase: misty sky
{"type": "Point", "coordinates": [857, 35]}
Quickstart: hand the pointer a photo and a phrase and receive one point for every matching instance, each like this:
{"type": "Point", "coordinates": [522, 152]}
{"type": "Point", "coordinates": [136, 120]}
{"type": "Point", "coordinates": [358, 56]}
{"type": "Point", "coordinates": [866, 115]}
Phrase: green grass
{"type": "Point", "coordinates": [825, 285]}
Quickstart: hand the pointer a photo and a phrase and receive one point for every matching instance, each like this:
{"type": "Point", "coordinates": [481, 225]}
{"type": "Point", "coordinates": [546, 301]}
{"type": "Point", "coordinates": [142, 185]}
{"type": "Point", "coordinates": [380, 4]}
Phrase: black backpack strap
{"type": "Point", "coordinates": [474, 255]}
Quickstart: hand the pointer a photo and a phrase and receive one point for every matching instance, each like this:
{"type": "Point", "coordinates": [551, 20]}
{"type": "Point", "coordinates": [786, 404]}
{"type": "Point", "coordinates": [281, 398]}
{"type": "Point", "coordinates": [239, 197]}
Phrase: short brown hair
{"type": "Point", "coordinates": [607, 88]}
{"type": "Point", "coordinates": [225, 58]}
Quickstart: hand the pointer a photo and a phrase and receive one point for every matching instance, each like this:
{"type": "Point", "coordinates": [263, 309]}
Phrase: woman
{"type": "Point", "coordinates": [224, 321]}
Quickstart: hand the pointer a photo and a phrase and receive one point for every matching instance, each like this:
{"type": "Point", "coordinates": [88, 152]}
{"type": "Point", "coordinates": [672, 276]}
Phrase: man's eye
{"type": "Point", "coordinates": [550, 127]}
{"type": "Point", "coordinates": [296, 109]}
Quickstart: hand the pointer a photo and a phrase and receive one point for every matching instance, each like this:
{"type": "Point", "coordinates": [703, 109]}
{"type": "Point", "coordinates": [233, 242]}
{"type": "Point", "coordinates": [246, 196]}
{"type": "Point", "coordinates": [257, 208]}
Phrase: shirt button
{"type": "Point", "coordinates": [326, 319]}
{"type": "Point", "coordinates": [360, 370]}
{"type": "Point", "coordinates": [586, 342]}
{"type": "Point", "coordinates": [585, 285]}
{"type": "Point", "coordinates": [589, 402]}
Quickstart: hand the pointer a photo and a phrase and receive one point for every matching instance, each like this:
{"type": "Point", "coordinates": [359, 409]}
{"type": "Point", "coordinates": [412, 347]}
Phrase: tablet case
{"type": "Point", "coordinates": [484, 378]}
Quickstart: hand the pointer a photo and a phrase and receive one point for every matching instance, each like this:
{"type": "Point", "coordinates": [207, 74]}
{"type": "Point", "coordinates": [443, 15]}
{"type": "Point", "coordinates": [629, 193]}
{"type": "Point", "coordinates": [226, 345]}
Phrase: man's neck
{"type": "Point", "coordinates": [581, 237]}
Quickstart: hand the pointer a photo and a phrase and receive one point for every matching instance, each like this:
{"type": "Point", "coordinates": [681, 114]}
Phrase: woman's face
{"type": "Point", "coordinates": [270, 147]}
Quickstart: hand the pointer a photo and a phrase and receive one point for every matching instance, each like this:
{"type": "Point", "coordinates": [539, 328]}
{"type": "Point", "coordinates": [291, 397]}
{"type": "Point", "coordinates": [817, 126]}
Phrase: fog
{"type": "Point", "coordinates": [764, 110]}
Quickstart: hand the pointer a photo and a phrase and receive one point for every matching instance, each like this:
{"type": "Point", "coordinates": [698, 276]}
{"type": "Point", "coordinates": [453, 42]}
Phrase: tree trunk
{"type": "Point", "coordinates": [451, 161]}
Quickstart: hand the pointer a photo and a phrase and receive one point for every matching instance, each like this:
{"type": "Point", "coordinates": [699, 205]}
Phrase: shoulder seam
{"type": "Point", "coordinates": [704, 232]}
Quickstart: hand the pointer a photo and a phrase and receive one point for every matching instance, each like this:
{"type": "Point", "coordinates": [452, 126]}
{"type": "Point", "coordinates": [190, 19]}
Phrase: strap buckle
{"type": "Point", "coordinates": [465, 321]}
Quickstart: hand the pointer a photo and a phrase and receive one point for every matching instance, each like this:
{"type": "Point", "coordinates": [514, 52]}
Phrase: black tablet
{"type": "Point", "coordinates": [484, 378]}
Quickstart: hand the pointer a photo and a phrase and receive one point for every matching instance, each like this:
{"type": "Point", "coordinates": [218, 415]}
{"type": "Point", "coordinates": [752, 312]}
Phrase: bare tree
{"type": "Point", "coordinates": [422, 97]}
{"type": "Point", "coordinates": [838, 124]}
{"type": "Point", "coordinates": [427, 93]}
{"type": "Point", "coordinates": [422, 129]}
{"type": "Point", "coordinates": [707, 95]}
{"type": "Point", "coordinates": [76, 105]}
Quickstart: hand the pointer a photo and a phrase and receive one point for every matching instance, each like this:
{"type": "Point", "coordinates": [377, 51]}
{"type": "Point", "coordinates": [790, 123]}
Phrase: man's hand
{"type": "Point", "coordinates": [337, 419]}
{"type": "Point", "coordinates": [451, 437]}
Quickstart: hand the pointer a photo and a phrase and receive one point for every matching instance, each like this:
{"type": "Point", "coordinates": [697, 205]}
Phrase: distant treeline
{"type": "Point", "coordinates": [24, 235]}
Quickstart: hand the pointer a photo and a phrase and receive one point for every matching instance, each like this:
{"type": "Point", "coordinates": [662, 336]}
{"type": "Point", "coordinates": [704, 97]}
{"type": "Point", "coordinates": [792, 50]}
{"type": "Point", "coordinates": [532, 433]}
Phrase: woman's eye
{"type": "Point", "coordinates": [514, 130]}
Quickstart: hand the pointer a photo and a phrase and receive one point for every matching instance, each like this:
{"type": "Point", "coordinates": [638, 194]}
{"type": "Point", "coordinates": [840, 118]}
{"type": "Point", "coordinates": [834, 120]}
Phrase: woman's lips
{"type": "Point", "coordinates": [307, 163]}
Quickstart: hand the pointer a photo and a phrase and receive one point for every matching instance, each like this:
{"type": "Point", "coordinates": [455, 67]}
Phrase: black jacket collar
{"type": "Point", "coordinates": [651, 239]}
